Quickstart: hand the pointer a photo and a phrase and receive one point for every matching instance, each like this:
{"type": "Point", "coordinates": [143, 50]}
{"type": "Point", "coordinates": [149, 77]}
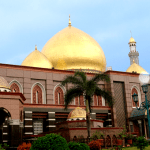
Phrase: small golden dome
{"type": "Point", "coordinates": [76, 49]}
{"type": "Point", "coordinates": [37, 59]}
{"type": "Point", "coordinates": [4, 83]}
{"type": "Point", "coordinates": [136, 68]}
{"type": "Point", "coordinates": [132, 40]}
{"type": "Point", "coordinates": [77, 113]}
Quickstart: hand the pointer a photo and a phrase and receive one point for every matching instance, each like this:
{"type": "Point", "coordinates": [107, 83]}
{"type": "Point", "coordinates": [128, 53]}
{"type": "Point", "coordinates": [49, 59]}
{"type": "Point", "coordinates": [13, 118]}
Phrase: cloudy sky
{"type": "Point", "coordinates": [24, 23]}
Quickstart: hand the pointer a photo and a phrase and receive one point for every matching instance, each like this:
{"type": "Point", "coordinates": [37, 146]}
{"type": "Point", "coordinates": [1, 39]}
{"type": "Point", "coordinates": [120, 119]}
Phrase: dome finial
{"type": "Point", "coordinates": [69, 21]}
{"type": "Point", "coordinates": [35, 47]}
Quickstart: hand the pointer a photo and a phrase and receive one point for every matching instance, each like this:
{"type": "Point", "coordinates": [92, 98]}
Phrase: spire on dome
{"type": "Point", "coordinates": [69, 21]}
{"type": "Point", "coordinates": [35, 47]}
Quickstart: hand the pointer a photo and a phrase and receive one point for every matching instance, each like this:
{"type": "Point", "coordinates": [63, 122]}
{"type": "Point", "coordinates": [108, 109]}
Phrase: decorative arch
{"type": "Point", "coordinates": [4, 114]}
{"type": "Point", "coordinates": [38, 94]}
{"type": "Point", "coordinates": [136, 90]}
{"type": "Point", "coordinates": [58, 94]}
{"type": "Point", "coordinates": [15, 86]}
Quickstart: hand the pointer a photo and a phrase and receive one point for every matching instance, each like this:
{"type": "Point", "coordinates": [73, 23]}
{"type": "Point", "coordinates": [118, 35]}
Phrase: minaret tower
{"type": "Point", "coordinates": [133, 54]}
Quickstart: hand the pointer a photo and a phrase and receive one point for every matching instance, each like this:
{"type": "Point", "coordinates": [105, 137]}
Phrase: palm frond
{"type": "Point", "coordinates": [106, 94]}
{"type": "Point", "coordinates": [90, 87]}
{"type": "Point", "coordinates": [70, 94]}
{"type": "Point", "coordinates": [82, 75]}
{"type": "Point", "coordinates": [101, 77]}
{"type": "Point", "coordinates": [72, 80]}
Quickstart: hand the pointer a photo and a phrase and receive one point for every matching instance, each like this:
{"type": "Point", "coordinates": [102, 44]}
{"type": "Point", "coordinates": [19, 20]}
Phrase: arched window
{"type": "Point", "coordinates": [76, 100]}
{"type": "Point", "coordinates": [136, 91]}
{"type": "Point", "coordinates": [37, 95]}
{"type": "Point", "coordinates": [15, 88]}
{"type": "Point", "coordinates": [59, 96]}
{"type": "Point", "coordinates": [97, 100]}
{"type": "Point", "coordinates": [81, 100]}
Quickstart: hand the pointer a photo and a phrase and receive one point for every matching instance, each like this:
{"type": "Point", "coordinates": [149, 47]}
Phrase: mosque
{"type": "Point", "coordinates": [32, 98]}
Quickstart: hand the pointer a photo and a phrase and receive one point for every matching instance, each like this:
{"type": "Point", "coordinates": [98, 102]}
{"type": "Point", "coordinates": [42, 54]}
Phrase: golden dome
{"type": "Point", "coordinates": [136, 68]}
{"type": "Point", "coordinates": [37, 59]}
{"type": "Point", "coordinates": [4, 83]}
{"type": "Point", "coordinates": [76, 49]}
{"type": "Point", "coordinates": [77, 113]}
{"type": "Point", "coordinates": [132, 40]}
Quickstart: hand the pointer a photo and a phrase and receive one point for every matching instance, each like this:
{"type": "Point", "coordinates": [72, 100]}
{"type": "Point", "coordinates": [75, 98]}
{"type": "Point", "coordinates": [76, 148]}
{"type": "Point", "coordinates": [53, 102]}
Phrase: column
{"type": "Point", "coordinates": [140, 126]}
{"type": "Point", "coordinates": [1, 132]}
{"type": "Point", "coordinates": [51, 121]}
{"type": "Point", "coordinates": [5, 131]}
{"type": "Point", "coordinates": [15, 134]}
{"type": "Point", "coordinates": [145, 129]}
{"type": "Point", "coordinates": [28, 123]}
{"type": "Point", "coordinates": [130, 126]}
{"type": "Point", "coordinates": [109, 120]}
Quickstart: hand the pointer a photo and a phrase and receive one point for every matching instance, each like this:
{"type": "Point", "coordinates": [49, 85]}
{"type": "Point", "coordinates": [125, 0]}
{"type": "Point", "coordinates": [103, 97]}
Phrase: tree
{"type": "Point", "coordinates": [87, 88]}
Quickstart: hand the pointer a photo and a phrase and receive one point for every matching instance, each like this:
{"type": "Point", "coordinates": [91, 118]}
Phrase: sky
{"type": "Point", "coordinates": [26, 23]}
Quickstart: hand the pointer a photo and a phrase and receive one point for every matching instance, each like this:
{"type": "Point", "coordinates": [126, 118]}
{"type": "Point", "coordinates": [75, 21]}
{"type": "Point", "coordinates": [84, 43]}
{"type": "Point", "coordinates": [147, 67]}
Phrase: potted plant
{"type": "Point", "coordinates": [129, 138]}
{"type": "Point", "coordinates": [121, 136]}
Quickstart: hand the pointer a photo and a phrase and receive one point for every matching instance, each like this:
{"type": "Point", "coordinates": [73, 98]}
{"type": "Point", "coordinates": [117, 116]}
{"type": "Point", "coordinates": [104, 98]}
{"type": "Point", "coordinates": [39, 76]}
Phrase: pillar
{"type": "Point", "coordinates": [145, 129]}
{"type": "Point", "coordinates": [140, 126]}
{"type": "Point", "coordinates": [28, 123]}
{"type": "Point", "coordinates": [51, 121]}
{"type": "Point", "coordinates": [6, 132]}
{"type": "Point", "coordinates": [15, 133]}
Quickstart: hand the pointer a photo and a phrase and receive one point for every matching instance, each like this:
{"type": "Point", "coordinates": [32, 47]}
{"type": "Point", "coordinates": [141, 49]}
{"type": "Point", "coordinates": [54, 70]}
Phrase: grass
{"type": "Point", "coordinates": [131, 148]}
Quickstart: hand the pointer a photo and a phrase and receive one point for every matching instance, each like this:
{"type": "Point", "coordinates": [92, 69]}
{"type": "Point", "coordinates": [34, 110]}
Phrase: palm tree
{"type": "Point", "coordinates": [87, 88]}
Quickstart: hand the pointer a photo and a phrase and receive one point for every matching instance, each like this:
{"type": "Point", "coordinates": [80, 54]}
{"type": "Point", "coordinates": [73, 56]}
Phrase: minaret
{"type": "Point", "coordinates": [133, 54]}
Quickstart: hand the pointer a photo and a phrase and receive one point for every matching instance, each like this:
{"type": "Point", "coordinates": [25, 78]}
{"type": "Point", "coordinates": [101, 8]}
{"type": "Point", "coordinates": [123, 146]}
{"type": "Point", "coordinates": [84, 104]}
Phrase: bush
{"type": "Point", "coordinates": [50, 142]}
{"type": "Point", "coordinates": [141, 142]}
{"type": "Point", "coordinates": [78, 146]}
{"type": "Point", "coordinates": [2, 147]}
{"type": "Point", "coordinates": [94, 145]}
{"type": "Point", "coordinates": [97, 135]}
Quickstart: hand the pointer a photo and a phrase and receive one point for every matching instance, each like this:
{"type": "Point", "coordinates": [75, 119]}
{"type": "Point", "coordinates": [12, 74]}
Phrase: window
{"type": "Point", "coordinates": [131, 126]}
{"type": "Point", "coordinates": [38, 127]}
{"type": "Point", "coordinates": [15, 88]}
{"type": "Point", "coordinates": [37, 95]}
{"type": "Point", "coordinates": [59, 96]}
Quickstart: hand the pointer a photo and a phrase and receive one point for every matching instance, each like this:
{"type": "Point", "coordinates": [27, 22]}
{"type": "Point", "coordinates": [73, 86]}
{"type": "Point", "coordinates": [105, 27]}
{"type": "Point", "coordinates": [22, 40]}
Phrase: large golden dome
{"type": "Point", "coordinates": [72, 48]}
{"type": "Point", "coordinates": [37, 59]}
{"type": "Point", "coordinates": [4, 83]}
{"type": "Point", "coordinates": [136, 68]}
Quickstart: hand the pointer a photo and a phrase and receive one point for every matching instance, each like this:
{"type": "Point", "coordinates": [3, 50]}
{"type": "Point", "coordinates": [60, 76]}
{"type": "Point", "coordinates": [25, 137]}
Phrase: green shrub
{"type": "Point", "coordinates": [50, 142]}
{"type": "Point", "coordinates": [94, 145]}
{"type": "Point", "coordinates": [141, 142]}
{"type": "Point", "coordinates": [2, 147]}
{"type": "Point", "coordinates": [78, 146]}
{"type": "Point", "coordinates": [97, 135]}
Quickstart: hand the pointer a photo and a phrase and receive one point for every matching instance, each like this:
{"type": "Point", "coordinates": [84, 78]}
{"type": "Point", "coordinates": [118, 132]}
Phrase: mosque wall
{"type": "Point", "coordinates": [48, 80]}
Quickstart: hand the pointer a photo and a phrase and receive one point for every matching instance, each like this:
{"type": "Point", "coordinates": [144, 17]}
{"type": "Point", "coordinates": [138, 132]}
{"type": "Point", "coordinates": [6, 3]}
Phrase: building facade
{"type": "Point", "coordinates": [32, 97]}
